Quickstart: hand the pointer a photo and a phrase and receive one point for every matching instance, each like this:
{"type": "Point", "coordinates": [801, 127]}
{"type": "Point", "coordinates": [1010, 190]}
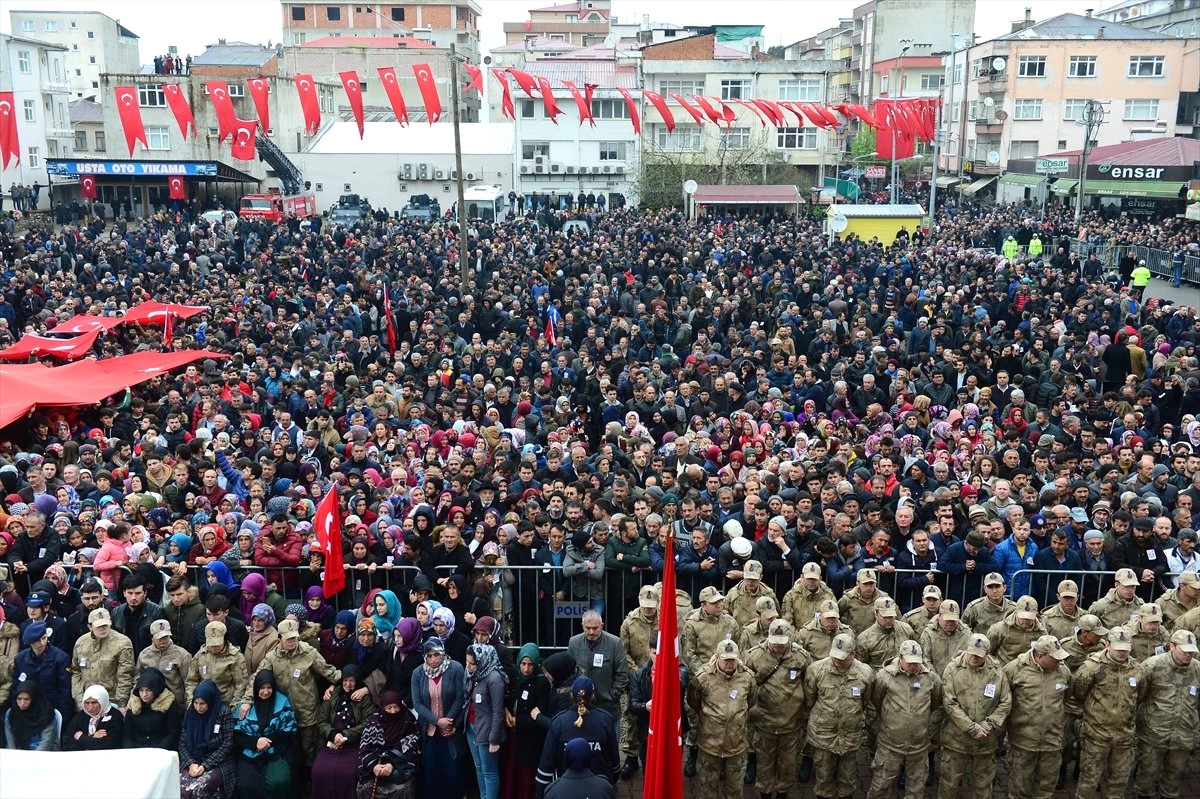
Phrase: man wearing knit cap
{"type": "Point", "coordinates": [742, 600]}
{"type": "Point", "coordinates": [857, 605]}
{"type": "Point", "coordinates": [837, 690]}
{"type": "Point", "coordinates": [1168, 717]}
{"type": "Point", "coordinates": [802, 600]}
{"type": "Point", "coordinates": [1110, 685]}
{"type": "Point", "coordinates": [977, 701]}
{"type": "Point", "coordinates": [906, 695]}
{"type": "Point", "coordinates": [1040, 683]}
{"type": "Point", "coordinates": [721, 696]}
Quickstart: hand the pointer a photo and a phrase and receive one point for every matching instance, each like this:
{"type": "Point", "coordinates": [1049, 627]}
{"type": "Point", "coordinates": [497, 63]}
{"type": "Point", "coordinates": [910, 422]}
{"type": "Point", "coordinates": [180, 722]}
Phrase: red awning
{"type": "Point", "coordinates": [67, 349]}
{"type": "Point", "coordinates": [153, 313]}
{"type": "Point", "coordinates": [84, 323]}
{"type": "Point", "coordinates": [748, 195]}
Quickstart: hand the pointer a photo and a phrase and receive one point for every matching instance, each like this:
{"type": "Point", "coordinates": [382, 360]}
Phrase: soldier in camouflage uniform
{"type": "Point", "coordinates": [1012, 636]}
{"type": "Point", "coordinates": [980, 614]}
{"type": "Point", "coordinates": [802, 600]}
{"type": "Point", "coordinates": [1039, 682]}
{"type": "Point", "coordinates": [905, 695]}
{"type": "Point", "coordinates": [945, 638]}
{"type": "Point", "coordinates": [103, 657]}
{"type": "Point", "coordinates": [976, 698]}
{"type": "Point", "coordinates": [636, 630]}
{"type": "Point", "coordinates": [754, 633]}
{"type": "Point", "coordinates": [837, 690]}
{"type": "Point", "coordinates": [1168, 716]}
{"type": "Point", "coordinates": [1121, 602]}
{"type": "Point", "coordinates": [703, 630]}
{"type": "Point", "coordinates": [1060, 618]}
{"type": "Point", "coordinates": [817, 636]}
{"type": "Point", "coordinates": [1110, 684]}
{"type": "Point", "coordinates": [922, 615]}
{"type": "Point", "coordinates": [1085, 641]}
{"type": "Point", "coordinates": [1180, 600]}
{"type": "Point", "coordinates": [858, 604]}
{"type": "Point", "coordinates": [880, 642]}
{"type": "Point", "coordinates": [742, 600]}
{"type": "Point", "coordinates": [1149, 637]}
{"type": "Point", "coordinates": [779, 716]}
{"type": "Point", "coordinates": [721, 696]}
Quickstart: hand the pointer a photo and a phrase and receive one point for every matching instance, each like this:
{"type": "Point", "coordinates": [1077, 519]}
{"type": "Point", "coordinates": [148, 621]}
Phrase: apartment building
{"type": "Point", "coordinates": [35, 72]}
{"type": "Point", "coordinates": [95, 44]}
{"type": "Point", "coordinates": [440, 22]}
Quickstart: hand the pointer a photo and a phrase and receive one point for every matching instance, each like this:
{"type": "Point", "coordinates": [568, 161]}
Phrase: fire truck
{"type": "Point", "coordinates": [276, 206]}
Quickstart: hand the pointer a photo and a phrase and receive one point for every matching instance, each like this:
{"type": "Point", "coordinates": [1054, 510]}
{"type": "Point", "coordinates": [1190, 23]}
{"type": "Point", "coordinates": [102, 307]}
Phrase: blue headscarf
{"type": "Point", "coordinates": [184, 542]}
{"type": "Point", "coordinates": [198, 728]}
{"type": "Point", "coordinates": [385, 624]}
{"type": "Point", "coordinates": [223, 576]}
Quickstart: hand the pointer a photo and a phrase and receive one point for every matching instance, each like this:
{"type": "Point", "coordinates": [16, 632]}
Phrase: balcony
{"type": "Point", "coordinates": [985, 127]}
{"type": "Point", "coordinates": [55, 85]}
{"type": "Point", "coordinates": [59, 133]}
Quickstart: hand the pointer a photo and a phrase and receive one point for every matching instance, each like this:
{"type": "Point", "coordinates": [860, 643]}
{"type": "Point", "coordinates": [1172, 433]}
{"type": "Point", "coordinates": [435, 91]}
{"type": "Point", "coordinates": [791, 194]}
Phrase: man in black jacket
{"type": "Point", "coordinates": [91, 596]}
{"type": "Point", "coordinates": [134, 617]}
{"type": "Point", "coordinates": [1139, 550]}
{"type": "Point", "coordinates": [217, 609]}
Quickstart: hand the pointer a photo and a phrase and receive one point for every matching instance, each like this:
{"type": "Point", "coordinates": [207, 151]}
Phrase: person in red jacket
{"type": "Point", "coordinates": [281, 547]}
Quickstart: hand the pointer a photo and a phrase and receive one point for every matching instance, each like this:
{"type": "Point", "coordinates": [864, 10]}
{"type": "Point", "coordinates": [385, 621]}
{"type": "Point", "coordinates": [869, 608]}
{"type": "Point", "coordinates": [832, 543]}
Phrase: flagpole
{"type": "Point", "coordinates": [463, 265]}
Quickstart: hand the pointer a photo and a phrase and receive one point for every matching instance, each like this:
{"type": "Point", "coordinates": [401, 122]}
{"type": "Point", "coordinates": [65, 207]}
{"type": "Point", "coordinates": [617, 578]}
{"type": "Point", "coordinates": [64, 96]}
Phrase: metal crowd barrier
{"type": "Point", "coordinates": [1043, 584]}
{"type": "Point", "coordinates": [1158, 261]}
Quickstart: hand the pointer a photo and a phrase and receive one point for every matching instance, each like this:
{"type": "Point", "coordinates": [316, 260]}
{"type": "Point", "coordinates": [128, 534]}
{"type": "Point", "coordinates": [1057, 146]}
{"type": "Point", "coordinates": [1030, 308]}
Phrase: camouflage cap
{"type": "Point", "coordinates": [1068, 588]}
{"type": "Point", "coordinates": [1185, 640]}
{"type": "Point", "coordinates": [753, 570]}
{"type": "Point", "coordinates": [766, 606]}
{"type": "Point", "coordinates": [1049, 645]}
{"type": "Point", "coordinates": [828, 609]}
{"type": "Point", "coordinates": [648, 597]}
{"type": "Point", "coordinates": [1120, 639]}
{"type": "Point", "coordinates": [867, 576]}
{"type": "Point", "coordinates": [885, 606]}
{"type": "Point", "coordinates": [811, 570]}
{"type": "Point", "coordinates": [711, 595]}
{"type": "Point", "coordinates": [978, 645]}
{"type": "Point", "coordinates": [911, 651]}
{"type": "Point", "coordinates": [1027, 608]}
{"type": "Point", "coordinates": [727, 650]}
{"type": "Point", "coordinates": [1150, 611]}
{"type": "Point", "coordinates": [949, 610]}
{"type": "Point", "coordinates": [843, 646]}
{"type": "Point", "coordinates": [1126, 577]}
{"type": "Point", "coordinates": [1090, 623]}
{"type": "Point", "coordinates": [779, 633]}
{"type": "Point", "coordinates": [931, 591]}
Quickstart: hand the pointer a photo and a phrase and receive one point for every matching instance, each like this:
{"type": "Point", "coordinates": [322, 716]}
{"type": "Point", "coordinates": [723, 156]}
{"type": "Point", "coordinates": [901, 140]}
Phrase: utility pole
{"type": "Point", "coordinates": [464, 268]}
{"type": "Point", "coordinates": [905, 44]}
{"type": "Point", "coordinates": [1092, 118]}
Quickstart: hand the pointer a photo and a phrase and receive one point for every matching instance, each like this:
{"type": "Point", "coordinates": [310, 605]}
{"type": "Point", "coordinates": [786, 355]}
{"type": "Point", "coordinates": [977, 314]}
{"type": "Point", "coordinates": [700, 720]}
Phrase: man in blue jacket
{"type": "Point", "coordinates": [45, 665]}
{"type": "Point", "coordinates": [965, 564]}
{"type": "Point", "coordinates": [1013, 554]}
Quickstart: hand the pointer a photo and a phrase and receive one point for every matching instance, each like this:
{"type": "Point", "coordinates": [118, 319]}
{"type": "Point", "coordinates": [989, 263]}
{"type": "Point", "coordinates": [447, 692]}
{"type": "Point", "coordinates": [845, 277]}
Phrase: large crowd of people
{"type": "Point", "coordinates": [931, 501]}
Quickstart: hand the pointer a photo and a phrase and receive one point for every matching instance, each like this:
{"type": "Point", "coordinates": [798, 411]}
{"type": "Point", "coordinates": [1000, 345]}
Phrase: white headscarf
{"type": "Point", "coordinates": [100, 694]}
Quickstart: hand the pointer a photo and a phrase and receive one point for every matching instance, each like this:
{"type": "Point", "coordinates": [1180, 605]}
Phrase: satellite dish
{"type": "Point", "coordinates": [611, 40]}
{"type": "Point", "coordinates": [993, 157]}
{"type": "Point", "coordinates": [999, 64]}
{"type": "Point", "coordinates": [838, 223]}
{"type": "Point", "coordinates": [690, 186]}
{"type": "Point", "coordinates": [1001, 115]}
{"type": "Point", "coordinates": [497, 60]}
{"type": "Point", "coordinates": [989, 102]}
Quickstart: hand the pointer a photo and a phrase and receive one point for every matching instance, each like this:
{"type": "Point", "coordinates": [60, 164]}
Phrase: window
{"type": "Point", "coordinates": [78, 72]}
{"type": "Point", "coordinates": [684, 137]}
{"type": "Point", "coordinates": [100, 141]}
{"type": "Point", "coordinates": [299, 38]}
{"type": "Point", "coordinates": [1073, 109]}
{"type": "Point", "coordinates": [883, 83]}
{"type": "Point", "coordinates": [796, 139]}
{"type": "Point", "coordinates": [571, 18]}
{"type": "Point", "coordinates": [1027, 109]}
{"type": "Point", "coordinates": [1141, 110]}
{"type": "Point", "coordinates": [35, 157]}
{"type": "Point", "coordinates": [397, 14]}
{"type": "Point", "coordinates": [807, 90]}
{"type": "Point", "coordinates": [558, 37]}
{"type": "Point", "coordinates": [92, 59]}
{"type": "Point", "coordinates": [1062, 144]}
{"type": "Point", "coordinates": [932, 81]}
{"type": "Point", "coordinates": [736, 90]}
{"type": "Point", "coordinates": [81, 140]}
{"type": "Point", "coordinates": [1146, 66]}
{"type": "Point", "coordinates": [735, 138]}
{"type": "Point", "coordinates": [685, 88]}
{"type": "Point", "coordinates": [528, 109]}
{"type": "Point", "coordinates": [609, 109]}
{"type": "Point", "coordinates": [91, 34]}
{"type": "Point", "coordinates": [612, 151]}
{"type": "Point", "coordinates": [333, 13]}
{"type": "Point", "coordinates": [535, 149]}
{"type": "Point", "coordinates": [298, 13]}
{"type": "Point", "coordinates": [976, 68]}
{"type": "Point", "coordinates": [955, 112]}
{"type": "Point", "coordinates": [973, 110]}
{"type": "Point", "coordinates": [1023, 149]}
{"type": "Point", "coordinates": [51, 26]}
{"type": "Point", "coordinates": [1031, 66]}
{"type": "Point", "coordinates": [159, 137]}
{"type": "Point", "coordinates": [239, 90]}
{"type": "Point", "coordinates": [30, 110]}
{"type": "Point", "coordinates": [95, 84]}
{"type": "Point", "coordinates": [958, 72]}
{"type": "Point", "coordinates": [29, 26]}
{"type": "Point", "coordinates": [1081, 66]}
{"type": "Point", "coordinates": [150, 95]}
{"type": "Point", "coordinates": [23, 62]}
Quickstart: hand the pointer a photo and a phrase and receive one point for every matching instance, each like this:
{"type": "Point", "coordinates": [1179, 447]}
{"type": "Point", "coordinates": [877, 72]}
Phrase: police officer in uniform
{"type": "Point", "coordinates": [905, 695]}
{"type": "Point", "coordinates": [1039, 681]}
{"type": "Point", "coordinates": [837, 690]}
{"type": "Point", "coordinates": [1110, 684]}
{"type": "Point", "coordinates": [721, 696]}
{"type": "Point", "coordinates": [1168, 716]}
{"type": "Point", "coordinates": [977, 701]}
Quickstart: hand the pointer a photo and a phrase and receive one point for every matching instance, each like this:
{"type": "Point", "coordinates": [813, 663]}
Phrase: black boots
{"type": "Point", "coordinates": [689, 766]}
{"type": "Point", "coordinates": [1062, 778]}
{"type": "Point", "coordinates": [931, 777]}
{"type": "Point", "coordinates": [806, 769]}
{"type": "Point", "coordinates": [751, 769]}
{"type": "Point", "coordinates": [630, 767]}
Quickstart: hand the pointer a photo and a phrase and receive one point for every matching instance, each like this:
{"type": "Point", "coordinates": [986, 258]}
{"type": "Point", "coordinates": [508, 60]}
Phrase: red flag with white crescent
{"type": "Point", "coordinates": [168, 336]}
{"type": "Point", "coordinates": [552, 109]}
{"type": "Point", "coordinates": [180, 108]}
{"type": "Point", "coordinates": [429, 92]}
{"type": "Point", "coordinates": [244, 137]}
{"type": "Point", "coordinates": [658, 102]}
{"type": "Point", "coordinates": [476, 81]}
{"type": "Point", "coordinates": [709, 110]}
{"type": "Point", "coordinates": [10, 146]}
{"type": "Point", "coordinates": [309, 103]}
{"type": "Point", "coordinates": [686, 106]}
{"type": "Point", "coordinates": [391, 86]}
{"type": "Point", "coordinates": [327, 523]}
{"type": "Point", "coordinates": [631, 106]}
{"type": "Point", "coordinates": [506, 103]}
{"type": "Point", "coordinates": [176, 188]}
{"type": "Point", "coordinates": [526, 81]}
{"type": "Point", "coordinates": [389, 320]}
{"type": "Point", "coordinates": [218, 91]}
{"type": "Point", "coordinates": [354, 96]}
{"type": "Point", "coordinates": [131, 117]}
{"type": "Point", "coordinates": [664, 743]}
{"type": "Point", "coordinates": [754, 109]}
{"type": "Point", "coordinates": [727, 114]}
{"type": "Point", "coordinates": [584, 107]}
{"type": "Point", "coordinates": [87, 186]}
{"type": "Point", "coordinates": [260, 90]}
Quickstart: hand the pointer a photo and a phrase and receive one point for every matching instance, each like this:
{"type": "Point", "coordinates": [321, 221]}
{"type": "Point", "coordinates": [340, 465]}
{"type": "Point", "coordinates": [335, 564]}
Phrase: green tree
{"type": "Point", "coordinates": [863, 142]}
{"type": "Point", "coordinates": [776, 51]}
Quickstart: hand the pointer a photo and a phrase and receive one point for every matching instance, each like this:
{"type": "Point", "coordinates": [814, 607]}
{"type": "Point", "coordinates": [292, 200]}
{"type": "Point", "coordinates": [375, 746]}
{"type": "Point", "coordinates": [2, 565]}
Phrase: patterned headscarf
{"type": "Point", "coordinates": [446, 616]}
{"type": "Point", "coordinates": [486, 661]}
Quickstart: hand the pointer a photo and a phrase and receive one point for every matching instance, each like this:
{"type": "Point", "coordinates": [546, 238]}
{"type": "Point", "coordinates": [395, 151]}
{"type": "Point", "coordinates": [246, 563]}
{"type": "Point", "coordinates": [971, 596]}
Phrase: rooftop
{"type": "Point", "coordinates": [1077, 26]}
{"type": "Point", "coordinates": [478, 138]}
{"type": "Point", "coordinates": [536, 43]}
{"type": "Point", "coordinates": [34, 42]}
{"type": "Point", "coordinates": [368, 42]}
{"type": "Point", "coordinates": [604, 73]}
{"type": "Point", "coordinates": [877, 210]}
{"type": "Point", "coordinates": [121, 29]}
{"type": "Point", "coordinates": [564, 8]}
{"type": "Point", "coordinates": [85, 111]}
{"type": "Point", "coordinates": [1167, 151]}
{"type": "Point", "coordinates": [748, 195]}
{"type": "Point", "coordinates": [240, 54]}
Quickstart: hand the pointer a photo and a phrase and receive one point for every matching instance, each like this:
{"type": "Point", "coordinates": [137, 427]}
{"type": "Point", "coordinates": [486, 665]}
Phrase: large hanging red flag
{"type": "Point", "coordinates": [10, 146]}
{"type": "Point", "coordinates": [686, 106]}
{"type": "Point", "coordinates": [631, 106]}
{"type": "Point", "coordinates": [218, 91]}
{"type": "Point", "coordinates": [387, 76]}
{"type": "Point", "coordinates": [327, 524]}
{"type": "Point", "coordinates": [260, 90]}
{"type": "Point", "coordinates": [87, 186]}
{"type": "Point", "coordinates": [476, 81]}
{"type": "Point", "coordinates": [176, 188]}
{"type": "Point", "coordinates": [309, 103]}
{"type": "Point", "coordinates": [660, 104]}
{"type": "Point", "coordinates": [866, 116]}
{"type": "Point", "coordinates": [244, 137]}
{"type": "Point", "coordinates": [389, 320]}
{"type": "Point", "coordinates": [827, 114]}
{"type": "Point", "coordinates": [895, 129]}
{"type": "Point", "coordinates": [588, 90]}
{"type": "Point", "coordinates": [584, 107]}
{"type": "Point", "coordinates": [131, 117]}
{"type": "Point", "coordinates": [664, 744]}
{"type": "Point", "coordinates": [506, 102]}
{"type": "Point", "coordinates": [552, 109]}
{"type": "Point", "coordinates": [180, 109]}
{"type": "Point", "coordinates": [429, 93]}
{"type": "Point", "coordinates": [814, 116]}
{"type": "Point", "coordinates": [526, 81]}
{"type": "Point", "coordinates": [709, 111]}
{"type": "Point", "coordinates": [728, 115]}
{"type": "Point", "coordinates": [354, 96]}
{"type": "Point", "coordinates": [800, 118]}
{"type": "Point", "coordinates": [768, 112]}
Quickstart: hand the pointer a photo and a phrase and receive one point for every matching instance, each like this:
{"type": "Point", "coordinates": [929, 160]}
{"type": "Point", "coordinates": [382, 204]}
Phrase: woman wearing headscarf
{"type": "Point", "coordinates": [341, 721]}
{"type": "Point", "coordinates": [206, 760]}
{"type": "Point", "coordinates": [264, 742]}
{"type": "Point", "coordinates": [404, 658]}
{"type": "Point", "coordinates": [319, 611]}
{"type": "Point", "coordinates": [453, 640]}
{"type": "Point", "coordinates": [97, 726]}
{"type": "Point", "coordinates": [367, 608]}
{"type": "Point", "coordinates": [310, 633]}
{"type": "Point", "coordinates": [153, 719]}
{"type": "Point", "coordinates": [253, 593]}
{"type": "Point", "coordinates": [438, 696]}
{"type": "Point", "coordinates": [487, 631]}
{"type": "Point", "coordinates": [425, 611]}
{"type": "Point", "coordinates": [31, 724]}
{"type": "Point", "coordinates": [485, 716]}
{"type": "Point", "coordinates": [263, 636]}
{"type": "Point", "coordinates": [217, 572]}
{"type": "Point", "coordinates": [389, 752]}
{"type": "Point", "coordinates": [387, 613]}
{"type": "Point", "coordinates": [581, 721]}
{"type": "Point", "coordinates": [528, 717]}
{"type": "Point", "coordinates": [338, 642]}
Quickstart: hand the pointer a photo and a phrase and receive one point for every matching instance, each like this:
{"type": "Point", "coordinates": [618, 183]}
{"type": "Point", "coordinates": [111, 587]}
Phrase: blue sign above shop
{"type": "Point", "coordinates": [69, 168]}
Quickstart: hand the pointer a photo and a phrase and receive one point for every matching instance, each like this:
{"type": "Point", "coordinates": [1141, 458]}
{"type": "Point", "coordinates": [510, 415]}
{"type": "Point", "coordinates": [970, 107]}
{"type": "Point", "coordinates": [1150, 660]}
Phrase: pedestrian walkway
{"type": "Point", "coordinates": [1184, 295]}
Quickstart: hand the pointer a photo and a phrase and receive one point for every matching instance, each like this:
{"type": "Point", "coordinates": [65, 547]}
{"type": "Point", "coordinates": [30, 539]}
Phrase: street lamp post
{"type": "Point", "coordinates": [905, 44]}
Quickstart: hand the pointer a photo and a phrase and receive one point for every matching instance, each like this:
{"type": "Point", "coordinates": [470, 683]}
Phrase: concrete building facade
{"type": "Point", "coordinates": [95, 44]}
{"type": "Point", "coordinates": [440, 22]}
{"type": "Point", "coordinates": [35, 72]}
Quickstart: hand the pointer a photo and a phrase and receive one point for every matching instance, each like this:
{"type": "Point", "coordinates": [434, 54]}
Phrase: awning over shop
{"type": "Point", "coordinates": [946, 182]}
{"type": "Point", "coordinates": [748, 195]}
{"type": "Point", "coordinates": [1064, 186]}
{"type": "Point", "coordinates": [1133, 188]}
{"type": "Point", "coordinates": [1017, 179]}
{"type": "Point", "coordinates": [979, 185]}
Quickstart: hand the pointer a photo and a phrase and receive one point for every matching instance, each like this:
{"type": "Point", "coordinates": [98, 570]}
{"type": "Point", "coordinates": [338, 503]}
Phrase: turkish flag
{"type": "Point", "coordinates": [218, 91]}
{"type": "Point", "coordinates": [354, 96]}
{"type": "Point", "coordinates": [664, 743]}
{"type": "Point", "coordinates": [476, 82]}
{"type": "Point", "coordinates": [506, 103]}
{"type": "Point", "coordinates": [631, 106]}
{"type": "Point", "coordinates": [308, 103]}
{"type": "Point", "coordinates": [244, 137]}
{"type": "Point", "coordinates": [686, 106]}
{"type": "Point", "coordinates": [727, 114]}
{"type": "Point", "coordinates": [585, 108]}
{"type": "Point", "coordinates": [429, 93]}
{"type": "Point", "coordinates": [389, 320]}
{"type": "Point", "coordinates": [814, 116]}
{"type": "Point", "coordinates": [391, 85]}
{"type": "Point", "coordinates": [131, 116]}
{"type": "Point", "coordinates": [893, 123]}
{"type": "Point", "coordinates": [800, 119]}
{"type": "Point", "coordinates": [180, 108]}
{"type": "Point", "coordinates": [10, 146]}
{"type": "Point", "coordinates": [178, 191]}
{"type": "Point", "coordinates": [87, 187]}
{"type": "Point", "coordinates": [552, 109]}
{"type": "Point", "coordinates": [588, 90]}
{"type": "Point", "coordinates": [709, 110]}
{"type": "Point", "coordinates": [260, 90]}
{"type": "Point", "coordinates": [526, 81]}
{"type": "Point", "coordinates": [168, 333]}
{"type": "Point", "coordinates": [327, 523]}
{"type": "Point", "coordinates": [658, 102]}
{"type": "Point", "coordinates": [771, 111]}
{"type": "Point", "coordinates": [754, 109]}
